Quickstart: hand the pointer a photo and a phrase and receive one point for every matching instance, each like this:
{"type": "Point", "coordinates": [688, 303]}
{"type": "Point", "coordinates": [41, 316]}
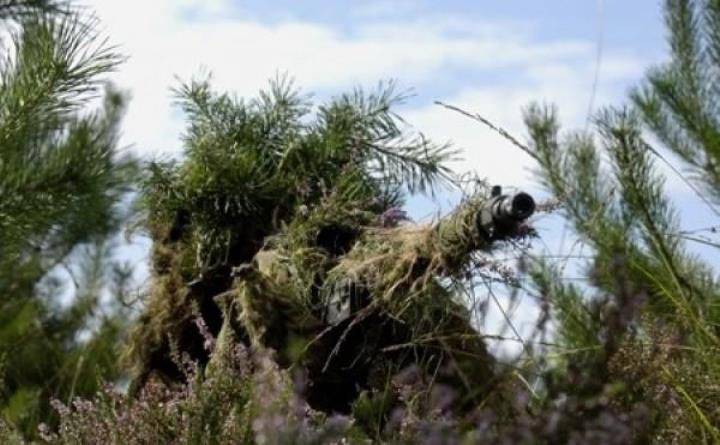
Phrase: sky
{"type": "Point", "coordinates": [491, 57]}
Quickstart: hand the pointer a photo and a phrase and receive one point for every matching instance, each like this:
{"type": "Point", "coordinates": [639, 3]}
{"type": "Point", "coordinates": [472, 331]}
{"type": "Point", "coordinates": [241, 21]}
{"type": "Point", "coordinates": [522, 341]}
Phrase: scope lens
{"type": "Point", "coordinates": [523, 205]}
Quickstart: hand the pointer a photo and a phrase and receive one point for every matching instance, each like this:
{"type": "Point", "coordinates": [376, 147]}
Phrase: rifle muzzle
{"type": "Point", "coordinates": [516, 208]}
{"type": "Point", "coordinates": [503, 215]}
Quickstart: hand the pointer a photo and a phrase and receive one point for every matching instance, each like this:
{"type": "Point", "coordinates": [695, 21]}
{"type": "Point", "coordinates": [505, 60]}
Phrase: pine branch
{"type": "Point", "coordinates": [57, 69]}
{"type": "Point", "coordinates": [679, 100]}
{"type": "Point", "coordinates": [19, 9]}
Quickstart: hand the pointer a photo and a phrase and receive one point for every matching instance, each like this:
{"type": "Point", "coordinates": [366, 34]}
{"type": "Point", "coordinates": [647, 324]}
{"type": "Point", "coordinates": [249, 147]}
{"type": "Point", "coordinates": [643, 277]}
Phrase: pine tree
{"type": "Point", "coordinates": [62, 180]}
{"type": "Point", "coordinates": [678, 101]}
{"type": "Point", "coordinates": [648, 318]}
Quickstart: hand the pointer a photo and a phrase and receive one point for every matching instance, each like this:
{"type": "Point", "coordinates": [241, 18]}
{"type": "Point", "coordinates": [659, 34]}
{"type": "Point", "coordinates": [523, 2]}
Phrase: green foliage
{"type": "Point", "coordinates": [627, 219]}
{"type": "Point", "coordinates": [678, 101]}
{"type": "Point", "coordinates": [254, 169]}
{"type": "Point", "coordinates": [56, 166]}
{"type": "Point", "coordinates": [649, 318]}
{"type": "Point", "coordinates": [62, 180]}
{"type": "Point", "coordinates": [259, 160]}
{"type": "Point", "coordinates": [18, 9]}
{"type": "Point", "coordinates": [640, 271]}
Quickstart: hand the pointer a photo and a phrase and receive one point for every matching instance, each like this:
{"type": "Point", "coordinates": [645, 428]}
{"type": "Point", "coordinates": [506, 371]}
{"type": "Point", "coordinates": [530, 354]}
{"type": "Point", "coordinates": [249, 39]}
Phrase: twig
{"type": "Point", "coordinates": [492, 126]}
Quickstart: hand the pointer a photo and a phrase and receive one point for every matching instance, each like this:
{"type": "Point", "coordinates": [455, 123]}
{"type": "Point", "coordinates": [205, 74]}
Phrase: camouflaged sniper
{"type": "Point", "coordinates": [357, 302]}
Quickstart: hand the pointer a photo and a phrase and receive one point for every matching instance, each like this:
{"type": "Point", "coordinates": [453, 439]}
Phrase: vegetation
{"type": "Point", "coordinates": [250, 169]}
{"type": "Point", "coordinates": [291, 301]}
{"type": "Point", "coordinates": [649, 323]}
{"type": "Point", "coordinates": [61, 182]}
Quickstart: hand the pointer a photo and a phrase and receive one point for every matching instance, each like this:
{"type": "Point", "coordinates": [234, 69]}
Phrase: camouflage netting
{"type": "Point", "coordinates": [287, 236]}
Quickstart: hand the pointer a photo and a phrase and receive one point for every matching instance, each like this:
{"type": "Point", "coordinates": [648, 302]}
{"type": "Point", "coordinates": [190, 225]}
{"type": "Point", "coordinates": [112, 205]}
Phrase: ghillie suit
{"type": "Point", "coordinates": [356, 302]}
{"type": "Point", "coordinates": [285, 235]}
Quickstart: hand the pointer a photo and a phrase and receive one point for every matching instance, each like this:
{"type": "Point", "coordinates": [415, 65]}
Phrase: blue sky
{"type": "Point", "coordinates": [492, 57]}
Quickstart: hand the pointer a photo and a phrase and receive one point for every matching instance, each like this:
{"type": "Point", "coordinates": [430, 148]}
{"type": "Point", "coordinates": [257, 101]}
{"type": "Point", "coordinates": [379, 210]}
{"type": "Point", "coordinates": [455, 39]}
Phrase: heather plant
{"type": "Point", "coordinates": [260, 403]}
{"type": "Point", "coordinates": [245, 397]}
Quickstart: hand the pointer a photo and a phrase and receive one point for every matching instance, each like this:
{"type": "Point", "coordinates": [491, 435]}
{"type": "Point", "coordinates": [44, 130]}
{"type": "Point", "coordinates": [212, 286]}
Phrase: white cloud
{"type": "Point", "coordinates": [205, 7]}
{"type": "Point", "coordinates": [243, 54]}
{"type": "Point", "coordinates": [566, 83]}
